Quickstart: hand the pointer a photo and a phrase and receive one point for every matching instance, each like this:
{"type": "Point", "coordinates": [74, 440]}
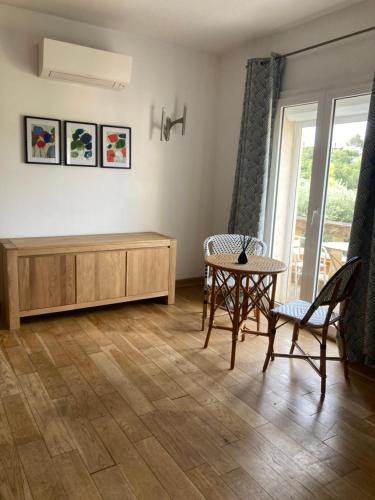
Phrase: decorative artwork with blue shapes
{"type": "Point", "coordinates": [80, 144]}
{"type": "Point", "coordinates": [42, 138]}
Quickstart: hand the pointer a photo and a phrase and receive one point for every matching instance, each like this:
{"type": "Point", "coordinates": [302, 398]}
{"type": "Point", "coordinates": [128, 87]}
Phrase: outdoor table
{"type": "Point", "coordinates": [239, 289]}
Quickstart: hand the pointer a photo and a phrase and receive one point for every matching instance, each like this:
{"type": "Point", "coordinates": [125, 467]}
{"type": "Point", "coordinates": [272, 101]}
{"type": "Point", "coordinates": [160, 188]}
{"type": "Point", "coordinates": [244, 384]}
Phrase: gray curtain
{"type": "Point", "coordinates": [254, 152]}
{"type": "Point", "coordinates": [360, 320]}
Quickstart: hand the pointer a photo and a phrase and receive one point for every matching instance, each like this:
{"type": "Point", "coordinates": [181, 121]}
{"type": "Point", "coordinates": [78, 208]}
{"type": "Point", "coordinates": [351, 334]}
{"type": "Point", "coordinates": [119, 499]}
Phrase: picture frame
{"type": "Point", "coordinates": [80, 144]}
{"type": "Point", "coordinates": [115, 146]}
{"type": "Point", "coordinates": [42, 140]}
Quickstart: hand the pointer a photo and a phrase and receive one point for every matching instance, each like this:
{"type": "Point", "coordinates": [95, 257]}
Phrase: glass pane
{"type": "Point", "coordinates": [293, 192]}
{"type": "Point", "coordinates": [349, 127]}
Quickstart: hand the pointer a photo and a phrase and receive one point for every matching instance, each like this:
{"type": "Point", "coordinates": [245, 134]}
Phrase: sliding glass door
{"type": "Point", "coordinates": [314, 186]}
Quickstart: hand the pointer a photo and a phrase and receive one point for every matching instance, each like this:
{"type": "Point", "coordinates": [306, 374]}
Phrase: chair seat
{"type": "Point", "coordinates": [297, 310]}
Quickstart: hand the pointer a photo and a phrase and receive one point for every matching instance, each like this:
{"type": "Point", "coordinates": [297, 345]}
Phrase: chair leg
{"type": "Point", "coordinates": [323, 374]}
{"type": "Point", "coordinates": [294, 338]}
{"type": "Point", "coordinates": [271, 338]}
{"type": "Point", "coordinates": [204, 312]}
{"type": "Point", "coordinates": [257, 317]}
{"type": "Point", "coordinates": [211, 321]}
{"type": "Point", "coordinates": [344, 351]}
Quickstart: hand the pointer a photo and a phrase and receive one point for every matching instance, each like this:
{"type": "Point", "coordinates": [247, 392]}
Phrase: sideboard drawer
{"type": "Point", "coordinates": [100, 276]}
{"type": "Point", "coordinates": [46, 281]}
{"type": "Point", "coordinates": [147, 270]}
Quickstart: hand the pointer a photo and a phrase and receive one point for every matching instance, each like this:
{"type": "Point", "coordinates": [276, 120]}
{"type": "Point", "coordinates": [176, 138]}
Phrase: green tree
{"type": "Point", "coordinates": [342, 183]}
{"type": "Point", "coordinates": [356, 141]}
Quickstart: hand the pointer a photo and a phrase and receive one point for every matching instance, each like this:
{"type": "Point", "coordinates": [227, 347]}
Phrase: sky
{"type": "Point", "coordinates": [342, 133]}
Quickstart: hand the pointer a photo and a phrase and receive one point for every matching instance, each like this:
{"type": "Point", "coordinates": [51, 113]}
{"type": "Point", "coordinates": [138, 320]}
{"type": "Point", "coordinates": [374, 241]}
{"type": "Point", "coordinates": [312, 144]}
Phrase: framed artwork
{"type": "Point", "coordinates": [80, 144]}
{"type": "Point", "coordinates": [42, 140]}
{"type": "Point", "coordinates": [115, 146]}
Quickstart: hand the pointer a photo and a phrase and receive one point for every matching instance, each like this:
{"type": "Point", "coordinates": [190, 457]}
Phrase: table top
{"type": "Point", "coordinates": [256, 264]}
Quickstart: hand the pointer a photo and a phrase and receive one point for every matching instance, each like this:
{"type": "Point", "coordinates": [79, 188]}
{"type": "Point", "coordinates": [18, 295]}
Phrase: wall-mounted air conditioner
{"type": "Point", "coordinates": [74, 63]}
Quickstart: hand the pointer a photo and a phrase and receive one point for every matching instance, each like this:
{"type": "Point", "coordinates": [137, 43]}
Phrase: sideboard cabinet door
{"type": "Point", "coordinates": [100, 275]}
{"type": "Point", "coordinates": [147, 270]}
{"type": "Point", "coordinates": [46, 281]}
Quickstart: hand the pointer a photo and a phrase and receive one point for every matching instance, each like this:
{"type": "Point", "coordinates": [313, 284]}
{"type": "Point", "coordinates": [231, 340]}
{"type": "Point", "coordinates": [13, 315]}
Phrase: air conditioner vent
{"type": "Point", "coordinates": [88, 80]}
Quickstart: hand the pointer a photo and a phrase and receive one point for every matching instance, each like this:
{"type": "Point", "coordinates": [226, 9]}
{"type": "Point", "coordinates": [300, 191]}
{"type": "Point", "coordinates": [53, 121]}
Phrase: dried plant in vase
{"type": "Point", "coordinates": [245, 242]}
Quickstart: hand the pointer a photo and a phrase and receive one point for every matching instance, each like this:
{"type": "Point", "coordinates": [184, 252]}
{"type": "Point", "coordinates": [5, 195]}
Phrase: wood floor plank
{"type": "Point", "coordinates": [50, 424]}
{"type": "Point", "coordinates": [176, 445]}
{"type": "Point", "coordinates": [198, 392]}
{"type": "Point", "coordinates": [8, 379]}
{"type": "Point", "coordinates": [88, 443]}
{"type": "Point", "coordinates": [30, 341]}
{"type": "Point", "coordinates": [113, 485]}
{"type": "Point", "coordinates": [90, 404]}
{"type": "Point", "coordinates": [341, 489]}
{"type": "Point", "coordinates": [196, 434]}
{"type": "Point", "coordinates": [142, 480]}
{"type": "Point", "coordinates": [244, 486]}
{"type": "Point", "coordinates": [173, 479]}
{"type": "Point", "coordinates": [129, 421]}
{"type": "Point", "coordinates": [21, 421]}
{"type": "Point", "coordinates": [130, 392]}
{"type": "Point", "coordinates": [93, 376]}
{"type": "Point", "coordinates": [141, 380]}
{"type": "Point", "coordinates": [44, 480]}
{"type": "Point", "coordinates": [362, 480]}
{"type": "Point", "coordinates": [54, 383]}
{"type": "Point", "coordinates": [13, 484]}
{"type": "Point", "coordinates": [210, 484]}
{"type": "Point", "coordinates": [88, 325]}
{"type": "Point", "coordinates": [87, 344]}
{"type": "Point", "coordinates": [52, 347]}
{"type": "Point", "coordinates": [217, 432]}
{"type": "Point", "coordinates": [75, 477]}
{"type": "Point", "coordinates": [279, 461]}
{"type": "Point", "coordinates": [169, 386]}
{"type": "Point", "coordinates": [322, 473]}
{"type": "Point", "coordinates": [19, 360]}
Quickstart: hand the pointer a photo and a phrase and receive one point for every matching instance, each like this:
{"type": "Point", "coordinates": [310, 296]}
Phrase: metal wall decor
{"type": "Point", "coordinates": [167, 124]}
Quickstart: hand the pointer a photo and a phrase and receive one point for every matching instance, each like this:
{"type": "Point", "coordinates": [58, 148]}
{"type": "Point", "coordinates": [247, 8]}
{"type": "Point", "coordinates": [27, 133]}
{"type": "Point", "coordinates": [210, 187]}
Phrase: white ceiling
{"type": "Point", "coordinates": [212, 25]}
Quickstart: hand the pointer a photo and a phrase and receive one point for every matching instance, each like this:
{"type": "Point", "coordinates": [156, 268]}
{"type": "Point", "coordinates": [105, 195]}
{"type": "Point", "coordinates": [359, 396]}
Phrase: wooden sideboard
{"type": "Point", "coordinates": [50, 274]}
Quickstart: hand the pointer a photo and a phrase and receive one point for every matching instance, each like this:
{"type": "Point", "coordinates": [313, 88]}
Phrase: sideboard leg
{"type": "Point", "coordinates": [11, 290]}
{"type": "Point", "coordinates": [172, 273]}
{"type": "Point", "coordinates": [14, 323]}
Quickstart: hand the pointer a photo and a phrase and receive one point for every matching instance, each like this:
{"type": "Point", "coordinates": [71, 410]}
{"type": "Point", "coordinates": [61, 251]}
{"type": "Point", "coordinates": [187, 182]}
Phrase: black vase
{"type": "Point", "coordinates": [242, 258]}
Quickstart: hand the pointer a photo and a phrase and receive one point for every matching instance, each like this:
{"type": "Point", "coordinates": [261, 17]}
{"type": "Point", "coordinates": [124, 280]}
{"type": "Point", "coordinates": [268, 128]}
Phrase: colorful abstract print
{"type": "Point", "coordinates": [116, 148]}
{"type": "Point", "coordinates": [43, 141]}
{"type": "Point", "coordinates": [81, 144]}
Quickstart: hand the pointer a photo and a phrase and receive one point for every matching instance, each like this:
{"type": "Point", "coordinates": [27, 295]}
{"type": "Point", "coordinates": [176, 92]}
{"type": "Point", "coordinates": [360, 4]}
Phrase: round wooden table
{"type": "Point", "coordinates": [240, 289]}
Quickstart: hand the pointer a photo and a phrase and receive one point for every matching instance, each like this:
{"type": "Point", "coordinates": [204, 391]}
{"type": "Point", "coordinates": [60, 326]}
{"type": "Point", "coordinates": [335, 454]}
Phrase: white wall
{"type": "Point", "coordinates": [169, 186]}
{"type": "Point", "coordinates": [343, 63]}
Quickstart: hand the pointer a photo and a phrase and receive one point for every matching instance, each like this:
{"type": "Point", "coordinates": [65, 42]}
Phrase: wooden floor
{"type": "Point", "coordinates": [123, 403]}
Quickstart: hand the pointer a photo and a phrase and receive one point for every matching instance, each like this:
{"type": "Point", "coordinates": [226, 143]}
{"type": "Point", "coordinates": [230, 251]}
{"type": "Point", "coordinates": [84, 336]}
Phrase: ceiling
{"type": "Point", "coordinates": [212, 25]}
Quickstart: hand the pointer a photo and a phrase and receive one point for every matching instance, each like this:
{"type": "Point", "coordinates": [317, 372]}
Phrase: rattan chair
{"type": "Point", "coordinates": [226, 243]}
{"type": "Point", "coordinates": [315, 317]}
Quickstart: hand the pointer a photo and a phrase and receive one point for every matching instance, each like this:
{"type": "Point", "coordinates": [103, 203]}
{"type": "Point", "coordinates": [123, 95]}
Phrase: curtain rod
{"type": "Point", "coordinates": [327, 42]}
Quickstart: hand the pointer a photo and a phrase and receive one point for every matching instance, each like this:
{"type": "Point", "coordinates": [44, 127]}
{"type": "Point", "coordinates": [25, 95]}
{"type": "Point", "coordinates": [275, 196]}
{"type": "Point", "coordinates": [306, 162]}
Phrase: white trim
{"type": "Point", "coordinates": [326, 99]}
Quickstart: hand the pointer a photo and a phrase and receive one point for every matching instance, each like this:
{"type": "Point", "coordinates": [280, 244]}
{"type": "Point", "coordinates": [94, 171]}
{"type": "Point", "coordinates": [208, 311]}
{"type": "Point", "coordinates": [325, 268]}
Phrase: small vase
{"type": "Point", "coordinates": [242, 258]}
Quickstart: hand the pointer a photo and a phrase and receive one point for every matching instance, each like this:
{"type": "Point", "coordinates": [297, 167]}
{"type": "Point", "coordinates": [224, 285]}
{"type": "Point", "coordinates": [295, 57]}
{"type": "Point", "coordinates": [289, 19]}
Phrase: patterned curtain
{"type": "Point", "coordinates": [360, 320]}
{"type": "Point", "coordinates": [254, 152]}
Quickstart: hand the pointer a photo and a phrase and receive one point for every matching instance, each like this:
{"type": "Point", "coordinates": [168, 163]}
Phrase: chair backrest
{"type": "Point", "coordinates": [337, 289]}
{"type": "Point", "coordinates": [232, 243]}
